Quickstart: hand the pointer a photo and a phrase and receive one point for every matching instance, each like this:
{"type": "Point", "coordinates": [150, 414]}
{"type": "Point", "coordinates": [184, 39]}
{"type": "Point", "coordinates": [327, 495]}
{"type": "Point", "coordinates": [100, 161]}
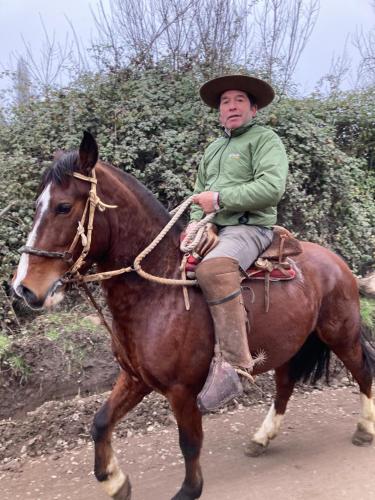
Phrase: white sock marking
{"type": "Point", "coordinates": [269, 428]}
{"type": "Point", "coordinates": [115, 480]}
{"type": "Point", "coordinates": [23, 265]}
{"type": "Point", "coordinates": [367, 420]}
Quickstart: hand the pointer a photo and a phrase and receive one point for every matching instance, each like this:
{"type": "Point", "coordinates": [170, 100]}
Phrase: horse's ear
{"type": "Point", "coordinates": [88, 153]}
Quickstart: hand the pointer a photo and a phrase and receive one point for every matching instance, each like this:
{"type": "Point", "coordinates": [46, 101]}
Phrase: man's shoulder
{"type": "Point", "coordinates": [262, 131]}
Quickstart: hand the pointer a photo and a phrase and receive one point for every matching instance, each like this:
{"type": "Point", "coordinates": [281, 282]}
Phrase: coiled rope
{"type": "Point", "coordinates": [189, 243]}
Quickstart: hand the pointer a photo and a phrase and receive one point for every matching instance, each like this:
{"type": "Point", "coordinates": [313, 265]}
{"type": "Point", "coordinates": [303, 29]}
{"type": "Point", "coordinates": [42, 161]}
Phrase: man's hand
{"type": "Point", "coordinates": [208, 201]}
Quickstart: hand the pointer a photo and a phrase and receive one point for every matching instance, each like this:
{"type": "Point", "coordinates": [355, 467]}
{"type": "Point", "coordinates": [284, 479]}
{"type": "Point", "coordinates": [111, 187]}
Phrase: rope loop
{"type": "Point", "coordinates": [193, 238]}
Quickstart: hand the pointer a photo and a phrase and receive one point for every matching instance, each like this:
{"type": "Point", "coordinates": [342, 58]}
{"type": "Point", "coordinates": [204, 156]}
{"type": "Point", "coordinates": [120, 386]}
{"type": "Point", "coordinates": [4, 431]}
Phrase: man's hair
{"type": "Point", "coordinates": [250, 96]}
{"type": "Point", "coordinates": [251, 99]}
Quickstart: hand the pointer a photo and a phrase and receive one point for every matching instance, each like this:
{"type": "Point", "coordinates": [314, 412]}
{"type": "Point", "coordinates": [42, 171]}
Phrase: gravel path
{"type": "Point", "coordinates": [312, 458]}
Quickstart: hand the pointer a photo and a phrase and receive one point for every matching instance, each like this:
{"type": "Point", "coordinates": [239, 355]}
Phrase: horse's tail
{"type": "Point", "coordinates": [367, 285]}
{"type": "Point", "coordinates": [311, 362]}
{"type": "Point", "coordinates": [368, 346]}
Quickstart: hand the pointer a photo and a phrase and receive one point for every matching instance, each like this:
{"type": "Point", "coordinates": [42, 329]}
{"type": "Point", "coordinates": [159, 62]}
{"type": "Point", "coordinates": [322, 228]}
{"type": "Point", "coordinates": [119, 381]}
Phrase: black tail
{"type": "Point", "coordinates": [311, 362]}
{"type": "Point", "coordinates": [368, 348]}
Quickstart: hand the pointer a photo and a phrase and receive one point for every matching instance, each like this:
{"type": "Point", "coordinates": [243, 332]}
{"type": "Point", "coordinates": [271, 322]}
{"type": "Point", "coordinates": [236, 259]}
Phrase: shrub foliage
{"type": "Point", "coordinates": [151, 123]}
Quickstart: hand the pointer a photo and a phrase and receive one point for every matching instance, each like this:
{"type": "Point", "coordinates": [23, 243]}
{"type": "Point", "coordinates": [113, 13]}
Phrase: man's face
{"type": "Point", "coordinates": [235, 109]}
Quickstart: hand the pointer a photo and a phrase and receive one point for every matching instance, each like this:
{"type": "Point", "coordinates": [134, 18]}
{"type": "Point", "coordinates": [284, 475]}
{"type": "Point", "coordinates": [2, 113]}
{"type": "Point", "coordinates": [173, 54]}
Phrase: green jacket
{"type": "Point", "coordinates": [249, 170]}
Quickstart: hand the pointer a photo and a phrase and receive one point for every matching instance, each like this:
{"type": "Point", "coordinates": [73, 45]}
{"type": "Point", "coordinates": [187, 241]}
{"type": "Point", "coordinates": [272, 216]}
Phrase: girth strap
{"type": "Point", "coordinates": [229, 297]}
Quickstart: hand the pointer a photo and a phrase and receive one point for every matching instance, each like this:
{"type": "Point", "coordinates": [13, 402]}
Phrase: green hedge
{"type": "Point", "coordinates": [153, 125]}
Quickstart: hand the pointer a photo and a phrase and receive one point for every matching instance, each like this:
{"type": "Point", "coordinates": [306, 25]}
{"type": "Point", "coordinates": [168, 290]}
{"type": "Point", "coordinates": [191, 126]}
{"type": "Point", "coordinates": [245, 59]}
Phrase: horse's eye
{"type": "Point", "coordinates": [63, 208]}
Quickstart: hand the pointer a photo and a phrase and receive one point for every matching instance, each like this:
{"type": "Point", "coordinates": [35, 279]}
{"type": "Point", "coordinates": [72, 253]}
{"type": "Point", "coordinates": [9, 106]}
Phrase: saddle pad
{"type": "Point", "coordinates": [276, 275]}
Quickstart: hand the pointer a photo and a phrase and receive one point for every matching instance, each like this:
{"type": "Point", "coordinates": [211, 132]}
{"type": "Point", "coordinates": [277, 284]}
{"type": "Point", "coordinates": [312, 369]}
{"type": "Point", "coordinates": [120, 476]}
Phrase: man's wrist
{"type": "Point", "coordinates": [216, 201]}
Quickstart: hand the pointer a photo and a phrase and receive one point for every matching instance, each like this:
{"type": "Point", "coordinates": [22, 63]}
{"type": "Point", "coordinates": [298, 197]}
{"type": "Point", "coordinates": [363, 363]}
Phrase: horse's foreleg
{"type": "Point", "coordinates": [189, 421]}
{"type": "Point", "coordinates": [271, 424]}
{"type": "Point", "coordinates": [354, 360]}
{"type": "Point", "coordinates": [125, 395]}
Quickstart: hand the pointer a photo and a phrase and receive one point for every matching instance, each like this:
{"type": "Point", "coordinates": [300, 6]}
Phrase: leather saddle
{"type": "Point", "coordinates": [272, 263]}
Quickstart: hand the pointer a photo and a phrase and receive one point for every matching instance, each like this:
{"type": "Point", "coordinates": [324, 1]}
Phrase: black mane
{"type": "Point", "coordinates": [61, 169]}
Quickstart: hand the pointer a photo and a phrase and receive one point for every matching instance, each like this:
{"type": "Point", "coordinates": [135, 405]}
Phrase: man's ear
{"type": "Point", "coordinates": [88, 153]}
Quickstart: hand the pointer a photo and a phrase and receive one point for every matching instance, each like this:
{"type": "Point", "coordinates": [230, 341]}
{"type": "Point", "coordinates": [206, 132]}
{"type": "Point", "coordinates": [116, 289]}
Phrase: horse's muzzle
{"type": "Point", "coordinates": [29, 297]}
{"type": "Point", "coordinates": [54, 295]}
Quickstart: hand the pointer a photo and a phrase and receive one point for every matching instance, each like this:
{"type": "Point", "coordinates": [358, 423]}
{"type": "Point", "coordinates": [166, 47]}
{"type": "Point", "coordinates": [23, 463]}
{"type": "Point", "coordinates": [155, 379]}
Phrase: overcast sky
{"type": "Point", "coordinates": [337, 19]}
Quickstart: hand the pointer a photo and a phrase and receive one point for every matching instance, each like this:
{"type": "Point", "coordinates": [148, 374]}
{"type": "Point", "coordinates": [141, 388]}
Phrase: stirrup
{"type": "Point", "coordinates": [222, 385]}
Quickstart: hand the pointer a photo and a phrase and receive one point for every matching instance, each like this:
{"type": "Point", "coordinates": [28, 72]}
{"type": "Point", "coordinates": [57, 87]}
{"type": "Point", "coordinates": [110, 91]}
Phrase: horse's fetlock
{"type": "Point", "coordinates": [101, 476]}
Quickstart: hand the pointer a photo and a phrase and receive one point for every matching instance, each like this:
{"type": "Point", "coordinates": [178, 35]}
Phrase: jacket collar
{"type": "Point", "coordinates": [240, 130]}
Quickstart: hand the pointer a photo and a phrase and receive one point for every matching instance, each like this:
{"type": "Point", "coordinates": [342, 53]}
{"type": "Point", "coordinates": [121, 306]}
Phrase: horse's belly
{"type": "Point", "coordinates": [281, 331]}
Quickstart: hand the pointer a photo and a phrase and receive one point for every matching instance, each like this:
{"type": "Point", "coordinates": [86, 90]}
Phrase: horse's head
{"type": "Point", "coordinates": [59, 210]}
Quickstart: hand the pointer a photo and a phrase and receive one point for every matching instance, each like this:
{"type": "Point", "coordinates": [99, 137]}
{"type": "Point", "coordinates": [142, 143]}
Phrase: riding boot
{"type": "Point", "coordinates": [219, 279]}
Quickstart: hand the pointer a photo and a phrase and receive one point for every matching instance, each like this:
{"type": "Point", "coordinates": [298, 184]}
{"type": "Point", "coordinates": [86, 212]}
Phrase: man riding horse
{"type": "Point", "coordinates": [243, 176]}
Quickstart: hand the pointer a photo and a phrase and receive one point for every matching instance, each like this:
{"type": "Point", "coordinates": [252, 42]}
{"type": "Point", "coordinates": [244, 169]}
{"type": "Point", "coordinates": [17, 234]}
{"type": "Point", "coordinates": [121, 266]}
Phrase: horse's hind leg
{"type": "Point", "coordinates": [125, 395]}
{"type": "Point", "coordinates": [271, 424]}
{"type": "Point", "coordinates": [189, 421]}
{"type": "Point", "coordinates": [358, 359]}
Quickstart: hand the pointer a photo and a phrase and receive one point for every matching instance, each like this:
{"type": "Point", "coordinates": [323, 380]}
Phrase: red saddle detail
{"type": "Point", "coordinates": [276, 274]}
{"type": "Point", "coordinates": [191, 264]}
{"type": "Point", "coordinates": [253, 272]}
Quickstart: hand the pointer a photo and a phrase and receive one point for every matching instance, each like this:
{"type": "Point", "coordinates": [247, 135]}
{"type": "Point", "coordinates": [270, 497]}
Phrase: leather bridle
{"type": "Point", "coordinates": [93, 201]}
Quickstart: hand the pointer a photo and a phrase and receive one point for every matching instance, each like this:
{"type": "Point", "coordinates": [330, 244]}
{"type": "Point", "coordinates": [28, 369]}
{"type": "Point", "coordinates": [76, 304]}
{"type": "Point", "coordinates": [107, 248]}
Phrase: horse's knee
{"type": "Point", "coordinates": [100, 424]}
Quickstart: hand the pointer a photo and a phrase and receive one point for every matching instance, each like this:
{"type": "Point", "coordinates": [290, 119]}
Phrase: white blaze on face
{"type": "Point", "coordinates": [42, 203]}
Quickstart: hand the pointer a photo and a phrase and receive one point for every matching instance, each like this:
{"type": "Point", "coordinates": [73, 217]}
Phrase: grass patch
{"type": "Point", "coordinates": [4, 344]}
{"type": "Point", "coordinates": [19, 367]}
{"type": "Point", "coordinates": [368, 313]}
{"type": "Point", "coordinates": [52, 334]}
{"type": "Point", "coordinates": [9, 361]}
{"type": "Point", "coordinates": [55, 325]}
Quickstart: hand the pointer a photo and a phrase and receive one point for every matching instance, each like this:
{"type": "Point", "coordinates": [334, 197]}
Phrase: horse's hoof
{"type": "Point", "coordinates": [125, 492]}
{"type": "Point", "coordinates": [361, 437]}
{"type": "Point", "coordinates": [254, 449]}
{"type": "Point", "coordinates": [181, 495]}
{"type": "Point", "coordinates": [184, 494]}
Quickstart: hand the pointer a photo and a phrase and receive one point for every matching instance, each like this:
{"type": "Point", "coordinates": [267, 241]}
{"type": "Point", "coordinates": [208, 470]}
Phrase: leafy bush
{"type": "Point", "coordinates": [151, 123]}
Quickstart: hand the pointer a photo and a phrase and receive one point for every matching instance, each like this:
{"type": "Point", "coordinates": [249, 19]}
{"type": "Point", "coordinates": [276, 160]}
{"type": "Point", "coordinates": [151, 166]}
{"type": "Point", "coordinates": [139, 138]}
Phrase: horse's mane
{"type": "Point", "coordinates": [139, 189]}
{"type": "Point", "coordinates": [66, 163]}
{"type": "Point", "coordinates": [61, 169]}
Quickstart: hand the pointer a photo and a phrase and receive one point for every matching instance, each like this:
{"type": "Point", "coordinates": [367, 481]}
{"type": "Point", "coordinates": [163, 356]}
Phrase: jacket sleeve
{"type": "Point", "coordinates": [196, 213]}
{"type": "Point", "coordinates": [270, 165]}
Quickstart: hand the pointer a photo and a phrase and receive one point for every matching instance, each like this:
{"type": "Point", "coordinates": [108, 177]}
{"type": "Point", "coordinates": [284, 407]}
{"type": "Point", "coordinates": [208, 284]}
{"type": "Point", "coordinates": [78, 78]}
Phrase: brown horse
{"type": "Point", "coordinates": [161, 346]}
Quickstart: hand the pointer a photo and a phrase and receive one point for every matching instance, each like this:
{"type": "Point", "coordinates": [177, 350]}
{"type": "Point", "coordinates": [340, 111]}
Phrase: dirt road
{"type": "Point", "coordinates": [312, 458]}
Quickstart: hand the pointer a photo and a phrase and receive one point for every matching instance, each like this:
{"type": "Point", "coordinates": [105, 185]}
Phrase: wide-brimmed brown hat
{"type": "Point", "coordinates": [260, 90]}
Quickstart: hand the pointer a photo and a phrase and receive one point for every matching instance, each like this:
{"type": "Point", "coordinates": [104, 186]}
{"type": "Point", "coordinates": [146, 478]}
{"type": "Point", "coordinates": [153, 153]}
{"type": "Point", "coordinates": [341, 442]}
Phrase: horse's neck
{"type": "Point", "coordinates": [136, 221]}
